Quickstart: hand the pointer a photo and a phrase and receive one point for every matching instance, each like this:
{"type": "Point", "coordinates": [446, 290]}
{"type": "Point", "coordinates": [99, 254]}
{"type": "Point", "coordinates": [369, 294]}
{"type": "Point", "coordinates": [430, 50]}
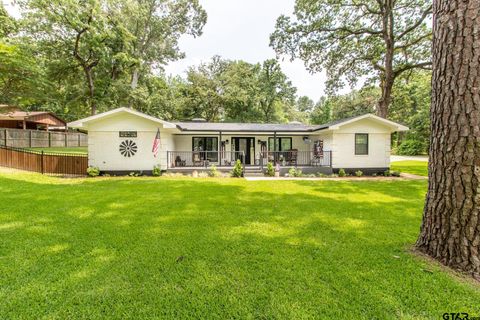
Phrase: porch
{"type": "Point", "coordinates": [190, 160]}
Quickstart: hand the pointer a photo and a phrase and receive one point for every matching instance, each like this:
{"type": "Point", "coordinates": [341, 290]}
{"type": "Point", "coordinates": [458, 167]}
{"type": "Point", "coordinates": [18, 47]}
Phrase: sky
{"type": "Point", "coordinates": [240, 30]}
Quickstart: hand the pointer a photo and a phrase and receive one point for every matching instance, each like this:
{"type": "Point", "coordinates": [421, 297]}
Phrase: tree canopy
{"type": "Point", "coordinates": [378, 40]}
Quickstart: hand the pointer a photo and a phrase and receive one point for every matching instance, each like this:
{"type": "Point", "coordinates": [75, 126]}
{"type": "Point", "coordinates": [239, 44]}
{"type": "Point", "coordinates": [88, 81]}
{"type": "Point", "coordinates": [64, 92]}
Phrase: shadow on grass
{"type": "Point", "coordinates": [142, 248]}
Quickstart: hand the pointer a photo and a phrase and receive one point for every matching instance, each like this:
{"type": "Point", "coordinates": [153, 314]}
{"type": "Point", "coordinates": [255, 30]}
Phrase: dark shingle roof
{"type": "Point", "coordinates": [257, 127]}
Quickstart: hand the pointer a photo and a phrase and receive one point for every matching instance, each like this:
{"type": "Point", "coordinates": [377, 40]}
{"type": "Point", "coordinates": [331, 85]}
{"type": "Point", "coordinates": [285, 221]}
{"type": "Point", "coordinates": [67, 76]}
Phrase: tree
{"type": "Point", "coordinates": [79, 31]}
{"type": "Point", "coordinates": [156, 26]}
{"type": "Point", "coordinates": [450, 230]}
{"type": "Point", "coordinates": [411, 106]}
{"type": "Point", "coordinates": [8, 25]}
{"type": "Point", "coordinates": [241, 92]}
{"type": "Point", "coordinates": [305, 104]}
{"type": "Point", "coordinates": [355, 39]}
{"type": "Point", "coordinates": [21, 79]}
{"type": "Point", "coordinates": [322, 111]}
{"type": "Point", "coordinates": [205, 91]}
{"type": "Point", "coordinates": [275, 91]}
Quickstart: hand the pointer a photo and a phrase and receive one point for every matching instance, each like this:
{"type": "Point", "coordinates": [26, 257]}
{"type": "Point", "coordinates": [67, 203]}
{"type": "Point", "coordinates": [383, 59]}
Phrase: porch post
{"type": "Point", "coordinates": [220, 149]}
{"type": "Point", "coordinates": [275, 148]}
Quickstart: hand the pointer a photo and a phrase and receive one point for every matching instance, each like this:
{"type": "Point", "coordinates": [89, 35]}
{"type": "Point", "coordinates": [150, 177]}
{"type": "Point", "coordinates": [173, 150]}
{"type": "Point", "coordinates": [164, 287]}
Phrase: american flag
{"type": "Point", "coordinates": [156, 143]}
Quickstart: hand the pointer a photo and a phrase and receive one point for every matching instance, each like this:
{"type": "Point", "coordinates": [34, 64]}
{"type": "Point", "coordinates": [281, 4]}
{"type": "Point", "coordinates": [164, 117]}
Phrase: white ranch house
{"type": "Point", "coordinates": [121, 141]}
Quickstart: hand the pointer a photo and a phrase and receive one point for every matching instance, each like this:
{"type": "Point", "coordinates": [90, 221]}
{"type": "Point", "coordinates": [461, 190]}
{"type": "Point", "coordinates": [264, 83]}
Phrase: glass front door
{"type": "Point", "coordinates": [245, 145]}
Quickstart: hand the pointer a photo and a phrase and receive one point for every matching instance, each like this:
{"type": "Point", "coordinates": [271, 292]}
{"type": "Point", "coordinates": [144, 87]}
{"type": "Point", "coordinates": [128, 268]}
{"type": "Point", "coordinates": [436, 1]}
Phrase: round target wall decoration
{"type": "Point", "coordinates": [128, 148]}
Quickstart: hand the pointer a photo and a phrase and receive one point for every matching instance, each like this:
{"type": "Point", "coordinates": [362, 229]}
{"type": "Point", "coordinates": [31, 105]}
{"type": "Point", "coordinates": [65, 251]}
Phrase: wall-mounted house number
{"type": "Point", "coordinates": [127, 134]}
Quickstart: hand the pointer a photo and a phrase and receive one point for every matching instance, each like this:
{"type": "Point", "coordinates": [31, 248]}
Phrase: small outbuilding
{"type": "Point", "coordinates": [15, 118]}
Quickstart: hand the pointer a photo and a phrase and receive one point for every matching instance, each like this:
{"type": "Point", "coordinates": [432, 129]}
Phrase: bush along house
{"type": "Point", "coordinates": [123, 140]}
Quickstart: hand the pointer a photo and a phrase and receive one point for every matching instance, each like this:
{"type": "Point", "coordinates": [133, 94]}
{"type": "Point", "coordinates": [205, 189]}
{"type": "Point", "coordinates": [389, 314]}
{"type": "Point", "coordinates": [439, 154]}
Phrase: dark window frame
{"type": "Point", "coordinates": [367, 144]}
{"type": "Point", "coordinates": [207, 153]}
{"type": "Point", "coordinates": [279, 144]}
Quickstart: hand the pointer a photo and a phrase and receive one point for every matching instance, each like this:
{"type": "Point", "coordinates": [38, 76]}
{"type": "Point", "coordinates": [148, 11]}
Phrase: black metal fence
{"type": "Point", "coordinates": [295, 158]}
{"type": "Point", "coordinates": [182, 159]}
{"type": "Point", "coordinates": [45, 163]}
{"type": "Point", "coordinates": [291, 158]}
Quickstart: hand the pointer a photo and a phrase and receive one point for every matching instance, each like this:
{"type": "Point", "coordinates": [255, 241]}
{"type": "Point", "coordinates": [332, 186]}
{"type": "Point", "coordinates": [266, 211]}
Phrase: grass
{"type": "Point", "coordinates": [142, 248]}
{"type": "Point", "coordinates": [72, 150]}
{"type": "Point", "coordinates": [414, 167]}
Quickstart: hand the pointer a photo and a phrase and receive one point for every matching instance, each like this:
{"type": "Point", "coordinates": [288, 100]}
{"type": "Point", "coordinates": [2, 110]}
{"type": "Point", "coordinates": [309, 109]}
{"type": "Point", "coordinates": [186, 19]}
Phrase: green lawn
{"type": "Point", "coordinates": [73, 150]}
{"type": "Point", "coordinates": [415, 167]}
{"type": "Point", "coordinates": [133, 248]}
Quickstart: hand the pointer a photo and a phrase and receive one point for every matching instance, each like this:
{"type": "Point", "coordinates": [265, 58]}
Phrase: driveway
{"type": "Point", "coordinates": [403, 158]}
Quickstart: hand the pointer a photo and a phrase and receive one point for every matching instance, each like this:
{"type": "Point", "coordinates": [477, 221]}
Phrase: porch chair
{"type": "Point", "coordinates": [292, 156]}
{"type": "Point", "coordinates": [197, 160]}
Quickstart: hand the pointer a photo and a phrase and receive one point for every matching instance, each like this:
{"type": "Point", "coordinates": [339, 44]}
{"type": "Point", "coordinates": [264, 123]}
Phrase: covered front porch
{"type": "Point", "coordinates": [196, 151]}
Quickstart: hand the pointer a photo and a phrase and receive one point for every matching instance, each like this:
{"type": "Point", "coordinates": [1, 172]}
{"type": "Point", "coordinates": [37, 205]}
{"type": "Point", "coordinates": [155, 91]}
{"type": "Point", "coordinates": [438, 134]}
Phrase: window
{"type": "Point", "coordinates": [361, 143]}
{"type": "Point", "coordinates": [208, 144]}
{"type": "Point", "coordinates": [283, 144]}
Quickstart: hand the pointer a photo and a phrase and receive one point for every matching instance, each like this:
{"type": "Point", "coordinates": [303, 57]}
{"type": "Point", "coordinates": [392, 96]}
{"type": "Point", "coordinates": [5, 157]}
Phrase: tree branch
{"type": "Point", "coordinates": [416, 24]}
{"type": "Point", "coordinates": [420, 65]}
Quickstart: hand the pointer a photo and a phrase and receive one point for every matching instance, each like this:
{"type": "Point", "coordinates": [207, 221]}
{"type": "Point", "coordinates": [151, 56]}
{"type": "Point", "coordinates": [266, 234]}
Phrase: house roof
{"type": "Point", "coordinates": [253, 127]}
{"type": "Point", "coordinates": [288, 127]}
{"type": "Point", "coordinates": [24, 115]}
{"type": "Point", "coordinates": [240, 127]}
{"type": "Point", "coordinates": [81, 123]}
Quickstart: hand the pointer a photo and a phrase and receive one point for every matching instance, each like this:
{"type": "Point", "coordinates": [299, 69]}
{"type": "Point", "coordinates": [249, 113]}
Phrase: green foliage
{"type": "Point", "coordinates": [410, 148]}
{"type": "Point", "coordinates": [238, 91]}
{"type": "Point", "coordinates": [213, 172]}
{"type": "Point", "coordinates": [355, 103]}
{"type": "Point", "coordinates": [156, 172]}
{"type": "Point", "coordinates": [395, 173]}
{"type": "Point", "coordinates": [237, 171]}
{"type": "Point", "coordinates": [293, 172]}
{"type": "Point", "coordinates": [357, 39]}
{"type": "Point", "coordinates": [387, 173]}
{"type": "Point", "coordinates": [342, 173]}
{"type": "Point", "coordinates": [102, 54]}
{"type": "Point", "coordinates": [8, 25]}
{"type": "Point", "coordinates": [270, 169]}
{"type": "Point", "coordinates": [358, 173]}
{"type": "Point", "coordinates": [22, 81]}
{"type": "Point", "coordinates": [93, 171]}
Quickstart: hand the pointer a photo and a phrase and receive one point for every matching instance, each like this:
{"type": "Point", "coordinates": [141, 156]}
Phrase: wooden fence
{"type": "Point", "coordinates": [20, 138]}
{"type": "Point", "coordinates": [44, 163]}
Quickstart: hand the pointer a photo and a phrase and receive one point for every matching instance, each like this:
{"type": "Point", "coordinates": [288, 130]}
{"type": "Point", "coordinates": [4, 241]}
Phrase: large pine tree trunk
{"type": "Point", "coordinates": [450, 230]}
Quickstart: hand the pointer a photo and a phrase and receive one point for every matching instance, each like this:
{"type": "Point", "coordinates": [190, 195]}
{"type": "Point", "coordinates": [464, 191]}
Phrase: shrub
{"type": "Point", "coordinates": [270, 169]}
{"type": "Point", "coordinates": [203, 174]}
{"type": "Point", "coordinates": [213, 171]}
{"type": "Point", "coordinates": [93, 171]}
{"type": "Point", "coordinates": [291, 172]}
{"type": "Point", "coordinates": [321, 175]}
{"type": "Point", "coordinates": [156, 172]}
{"type": "Point", "coordinates": [237, 171]}
{"type": "Point", "coordinates": [359, 173]}
{"type": "Point", "coordinates": [295, 172]}
{"type": "Point", "coordinates": [387, 173]}
{"type": "Point", "coordinates": [410, 148]}
{"type": "Point", "coordinates": [395, 173]}
{"type": "Point", "coordinates": [342, 173]}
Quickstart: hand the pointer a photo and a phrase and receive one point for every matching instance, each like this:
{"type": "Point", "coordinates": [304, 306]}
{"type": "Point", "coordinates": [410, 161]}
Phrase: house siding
{"type": "Point", "coordinates": [343, 146]}
{"type": "Point", "coordinates": [104, 143]}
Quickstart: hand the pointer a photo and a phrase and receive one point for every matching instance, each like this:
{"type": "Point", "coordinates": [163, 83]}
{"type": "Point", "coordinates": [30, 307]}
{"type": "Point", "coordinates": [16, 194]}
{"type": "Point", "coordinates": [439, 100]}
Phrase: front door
{"type": "Point", "coordinates": [247, 146]}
